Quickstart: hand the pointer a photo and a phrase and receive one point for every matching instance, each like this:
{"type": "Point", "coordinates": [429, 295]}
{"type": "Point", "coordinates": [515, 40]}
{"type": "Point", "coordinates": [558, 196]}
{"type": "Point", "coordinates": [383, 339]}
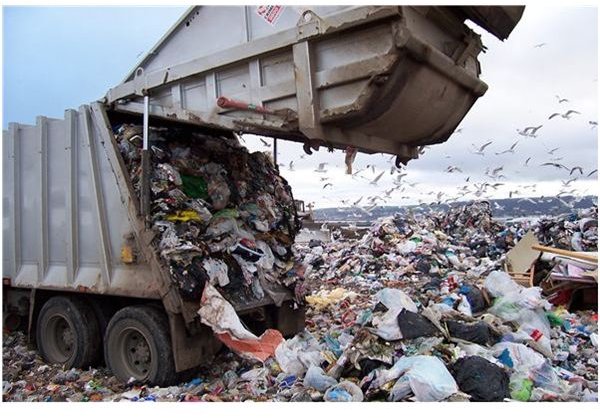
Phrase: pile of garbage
{"type": "Point", "coordinates": [224, 217]}
{"type": "Point", "coordinates": [419, 309]}
{"type": "Point", "coordinates": [576, 231]}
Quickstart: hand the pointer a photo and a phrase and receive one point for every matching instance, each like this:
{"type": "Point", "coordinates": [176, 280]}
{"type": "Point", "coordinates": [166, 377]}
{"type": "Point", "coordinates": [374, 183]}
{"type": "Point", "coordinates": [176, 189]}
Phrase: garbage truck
{"type": "Point", "coordinates": [82, 267]}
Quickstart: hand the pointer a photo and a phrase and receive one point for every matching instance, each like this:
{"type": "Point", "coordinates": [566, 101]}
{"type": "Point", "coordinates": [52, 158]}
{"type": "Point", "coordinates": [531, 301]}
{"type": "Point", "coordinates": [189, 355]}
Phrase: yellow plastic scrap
{"type": "Point", "coordinates": [324, 298]}
{"type": "Point", "coordinates": [127, 254]}
{"type": "Point", "coordinates": [184, 216]}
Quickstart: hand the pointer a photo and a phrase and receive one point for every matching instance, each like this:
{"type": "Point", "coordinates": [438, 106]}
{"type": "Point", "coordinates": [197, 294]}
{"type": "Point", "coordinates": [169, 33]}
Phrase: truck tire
{"type": "Point", "coordinates": [137, 345]}
{"type": "Point", "coordinates": [67, 333]}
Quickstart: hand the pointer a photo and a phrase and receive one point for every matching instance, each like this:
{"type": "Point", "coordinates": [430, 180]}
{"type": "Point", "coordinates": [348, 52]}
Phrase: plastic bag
{"type": "Point", "coordinates": [387, 323]}
{"type": "Point", "coordinates": [217, 271]}
{"type": "Point", "coordinates": [478, 332]}
{"type": "Point", "coordinates": [517, 356]}
{"type": "Point", "coordinates": [499, 283]}
{"type": "Point", "coordinates": [427, 376]}
{"type": "Point", "coordinates": [520, 387]}
{"type": "Point", "coordinates": [481, 379]}
{"type": "Point", "coordinates": [414, 325]}
{"type": "Point", "coordinates": [345, 391]}
{"type": "Point", "coordinates": [295, 356]}
{"type": "Point", "coordinates": [316, 378]}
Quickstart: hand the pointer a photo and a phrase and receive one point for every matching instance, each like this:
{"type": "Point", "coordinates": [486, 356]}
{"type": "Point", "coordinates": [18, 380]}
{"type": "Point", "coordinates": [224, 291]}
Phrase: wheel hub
{"type": "Point", "coordinates": [137, 353]}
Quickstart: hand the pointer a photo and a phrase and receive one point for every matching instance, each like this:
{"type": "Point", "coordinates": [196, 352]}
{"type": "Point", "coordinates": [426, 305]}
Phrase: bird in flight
{"type": "Point", "coordinates": [575, 169]}
{"type": "Point", "coordinates": [592, 172]}
{"type": "Point", "coordinates": [566, 115]}
{"type": "Point", "coordinates": [452, 169]}
{"type": "Point", "coordinates": [551, 152]}
{"type": "Point", "coordinates": [527, 161]}
{"type": "Point", "coordinates": [265, 143]}
{"type": "Point", "coordinates": [554, 165]}
{"type": "Point", "coordinates": [531, 130]}
{"type": "Point", "coordinates": [398, 179]}
{"type": "Point", "coordinates": [480, 149]}
{"type": "Point", "coordinates": [539, 45]}
{"type": "Point", "coordinates": [593, 123]}
{"type": "Point", "coordinates": [321, 168]}
{"type": "Point", "coordinates": [376, 179]}
{"type": "Point", "coordinates": [291, 166]}
{"type": "Point", "coordinates": [510, 150]}
{"type": "Point", "coordinates": [328, 184]}
{"type": "Point", "coordinates": [560, 100]}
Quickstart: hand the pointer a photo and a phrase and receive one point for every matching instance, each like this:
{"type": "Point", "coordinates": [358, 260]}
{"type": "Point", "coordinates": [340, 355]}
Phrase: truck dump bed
{"type": "Point", "coordinates": [380, 79]}
{"type": "Point", "coordinates": [73, 220]}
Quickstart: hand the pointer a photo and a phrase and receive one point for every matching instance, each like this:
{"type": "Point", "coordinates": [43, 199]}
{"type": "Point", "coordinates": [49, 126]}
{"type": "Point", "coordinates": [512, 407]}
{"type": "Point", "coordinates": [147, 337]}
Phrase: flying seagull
{"type": "Point", "coordinates": [321, 168]}
{"type": "Point", "coordinates": [480, 149]}
{"type": "Point", "coordinates": [566, 115]}
{"type": "Point", "coordinates": [376, 179]}
{"type": "Point", "coordinates": [510, 150]}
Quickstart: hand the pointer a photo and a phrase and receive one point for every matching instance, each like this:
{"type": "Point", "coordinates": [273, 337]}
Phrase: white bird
{"type": "Point", "coordinates": [539, 45]}
{"type": "Point", "coordinates": [560, 100]}
{"type": "Point", "coordinates": [566, 115]}
{"type": "Point", "coordinates": [321, 168]}
{"type": "Point", "coordinates": [593, 123]}
{"type": "Point", "coordinates": [452, 169]}
{"type": "Point", "coordinates": [480, 149]}
{"type": "Point", "coordinates": [510, 150]}
{"type": "Point", "coordinates": [376, 179]}
{"type": "Point", "coordinates": [531, 130]}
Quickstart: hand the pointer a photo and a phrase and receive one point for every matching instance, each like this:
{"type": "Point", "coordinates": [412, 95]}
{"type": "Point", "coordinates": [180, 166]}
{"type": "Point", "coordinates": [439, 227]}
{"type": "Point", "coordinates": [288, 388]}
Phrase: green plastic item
{"type": "Point", "coordinates": [521, 390]}
{"type": "Point", "coordinates": [194, 187]}
{"type": "Point", "coordinates": [554, 319]}
{"type": "Point", "coordinates": [227, 213]}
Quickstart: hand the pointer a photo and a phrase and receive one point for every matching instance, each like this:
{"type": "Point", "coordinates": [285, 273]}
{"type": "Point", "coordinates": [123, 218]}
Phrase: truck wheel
{"type": "Point", "coordinates": [67, 333]}
{"type": "Point", "coordinates": [137, 345]}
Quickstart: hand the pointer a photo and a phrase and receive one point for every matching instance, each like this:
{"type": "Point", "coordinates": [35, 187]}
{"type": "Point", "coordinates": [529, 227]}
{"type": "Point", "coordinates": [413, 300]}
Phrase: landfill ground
{"type": "Point", "coordinates": [418, 309]}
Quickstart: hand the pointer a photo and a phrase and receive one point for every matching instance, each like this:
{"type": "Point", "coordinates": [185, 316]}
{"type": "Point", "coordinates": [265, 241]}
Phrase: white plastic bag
{"type": "Point", "coordinates": [521, 356]}
{"type": "Point", "coordinates": [386, 324]}
{"type": "Point", "coordinates": [345, 391]}
{"type": "Point", "coordinates": [298, 354]}
{"type": "Point", "coordinates": [427, 377]}
{"type": "Point", "coordinates": [498, 283]}
{"type": "Point", "coordinates": [316, 378]}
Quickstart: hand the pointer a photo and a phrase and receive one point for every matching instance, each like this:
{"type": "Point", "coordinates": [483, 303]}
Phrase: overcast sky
{"type": "Point", "coordinates": [59, 58]}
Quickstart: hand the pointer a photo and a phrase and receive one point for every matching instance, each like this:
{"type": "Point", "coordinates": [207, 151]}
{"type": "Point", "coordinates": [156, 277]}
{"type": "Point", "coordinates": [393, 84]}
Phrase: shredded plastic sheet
{"type": "Point", "coordinates": [218, 314]}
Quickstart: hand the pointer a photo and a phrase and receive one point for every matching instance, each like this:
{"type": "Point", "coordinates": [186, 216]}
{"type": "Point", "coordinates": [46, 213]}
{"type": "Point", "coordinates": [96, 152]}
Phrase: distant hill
{"type": "Point", "coordinates": [501, 208]}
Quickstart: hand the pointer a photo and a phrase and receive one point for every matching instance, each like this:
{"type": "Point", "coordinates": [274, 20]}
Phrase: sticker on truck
{"type": "Point", "coordinates": [270, 13]}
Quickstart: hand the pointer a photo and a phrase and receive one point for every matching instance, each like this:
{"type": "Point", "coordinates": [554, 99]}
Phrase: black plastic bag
{"type": "Point", "coordinates": [484, 381]}
{"type": "Point", "coordinates": [479, 333]}
{"type": "Point", "coordinates": [414, 325]}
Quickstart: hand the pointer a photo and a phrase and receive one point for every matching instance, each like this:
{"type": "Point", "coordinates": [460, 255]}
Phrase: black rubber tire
{"type": "Point", "coordinates": [125, 328]}
{"type": "Point", "coordinates": [79, 344]}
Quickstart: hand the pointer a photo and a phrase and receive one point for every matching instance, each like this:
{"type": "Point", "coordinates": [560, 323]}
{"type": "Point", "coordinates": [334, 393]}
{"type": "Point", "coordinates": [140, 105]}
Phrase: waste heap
{"type": "Point", "coordinates": [223, 216]}
{"type": "Point", "coordinates": [577, 231]}
{"type": "Point", "coordinates": [411, 312]}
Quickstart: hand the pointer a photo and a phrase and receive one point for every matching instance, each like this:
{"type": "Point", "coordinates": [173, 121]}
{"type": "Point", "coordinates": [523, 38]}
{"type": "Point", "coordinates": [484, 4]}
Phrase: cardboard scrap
{"type": "Point", "coordinates": [521, 257]}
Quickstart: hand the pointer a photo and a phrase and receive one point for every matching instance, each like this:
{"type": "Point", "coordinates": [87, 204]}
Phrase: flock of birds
{"type": "Point", "coordinates": [494, 176]}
